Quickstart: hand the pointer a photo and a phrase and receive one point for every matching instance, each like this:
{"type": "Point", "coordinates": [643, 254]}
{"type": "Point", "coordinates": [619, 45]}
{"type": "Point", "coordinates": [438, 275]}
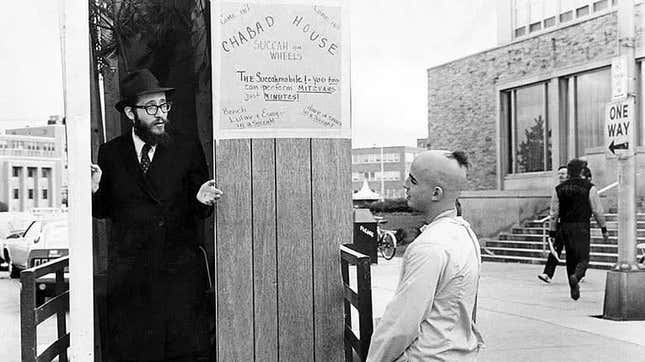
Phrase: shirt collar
{"type": "Point", "coordinates": [138, 144]}
{"type": "Point", "coordinates": [448, 213]}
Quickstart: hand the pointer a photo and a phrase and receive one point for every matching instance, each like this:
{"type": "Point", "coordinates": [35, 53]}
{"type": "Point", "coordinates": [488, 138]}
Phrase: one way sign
{"type": "Point", "coordinates": [619, 128]}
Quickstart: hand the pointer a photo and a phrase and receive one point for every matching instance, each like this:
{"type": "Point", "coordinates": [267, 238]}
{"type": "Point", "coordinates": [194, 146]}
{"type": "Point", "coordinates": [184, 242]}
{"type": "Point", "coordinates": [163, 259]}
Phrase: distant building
{"type": "Point", "coordinates": [33, 166]}
{"type": "Point", "coordinates": [423, 143]}
{"type": "Point", "coordinates": [396, 161]}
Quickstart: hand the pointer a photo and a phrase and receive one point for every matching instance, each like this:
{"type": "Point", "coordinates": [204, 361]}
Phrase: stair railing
{"type": "Point", "coordinates": [546, 222]}
{"type": "Point", "coordinates": [546, 225]}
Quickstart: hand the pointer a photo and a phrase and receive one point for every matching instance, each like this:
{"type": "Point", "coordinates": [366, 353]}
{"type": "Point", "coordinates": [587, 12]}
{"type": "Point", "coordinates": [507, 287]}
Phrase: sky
{"type": "Point", "coordinates": [393, 43]}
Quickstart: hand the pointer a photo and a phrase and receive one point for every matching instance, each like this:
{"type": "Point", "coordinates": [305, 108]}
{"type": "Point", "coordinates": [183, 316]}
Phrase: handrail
{"type": "Point", "coordinates": [607, 188]}
{"type": "Point", "coordinates": [31, 315]}
{"type": "Point", "coordinates": [361, 300]}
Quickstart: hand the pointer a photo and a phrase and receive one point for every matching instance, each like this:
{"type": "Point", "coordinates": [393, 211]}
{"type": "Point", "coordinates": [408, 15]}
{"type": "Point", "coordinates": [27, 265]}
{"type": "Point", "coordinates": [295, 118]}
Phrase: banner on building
{"type": "Point", "coordinates": [280, 70]}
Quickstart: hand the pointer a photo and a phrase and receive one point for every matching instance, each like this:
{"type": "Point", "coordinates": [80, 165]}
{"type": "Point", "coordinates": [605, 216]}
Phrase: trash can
{"type": "Point", "coordinates": [365, 235]}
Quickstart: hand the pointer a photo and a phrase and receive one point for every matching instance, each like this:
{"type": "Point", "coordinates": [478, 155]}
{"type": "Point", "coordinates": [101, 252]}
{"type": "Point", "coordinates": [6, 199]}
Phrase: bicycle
{"type": "Point", "coordinates": [386, 243]}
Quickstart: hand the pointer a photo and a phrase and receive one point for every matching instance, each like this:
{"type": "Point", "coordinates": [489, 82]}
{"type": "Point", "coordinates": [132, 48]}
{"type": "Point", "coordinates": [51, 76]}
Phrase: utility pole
{"type": "Point", "coordinates": [625, 286]}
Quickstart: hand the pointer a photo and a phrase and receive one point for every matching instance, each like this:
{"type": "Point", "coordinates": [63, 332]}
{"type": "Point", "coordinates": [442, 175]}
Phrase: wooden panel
{"type": "Point", "coordinates": [295, 302]}
{"type": "Point", "coordinates": [234, 252]}
{"type": "Point", "coordinates": [332, 226]}
{"type": "Point", "coordinates": [264, 250]}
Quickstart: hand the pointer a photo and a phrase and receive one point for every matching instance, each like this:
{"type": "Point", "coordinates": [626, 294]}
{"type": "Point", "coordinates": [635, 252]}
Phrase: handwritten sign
{"type": "Point", "coordinates": [280, 70]}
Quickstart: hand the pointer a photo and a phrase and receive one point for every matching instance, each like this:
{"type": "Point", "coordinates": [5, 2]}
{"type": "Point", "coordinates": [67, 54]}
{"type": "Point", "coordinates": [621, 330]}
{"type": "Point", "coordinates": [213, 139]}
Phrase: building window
{"type": "Point", "coordinates": [530, 133]}
{"type": "Point", "coordinates": [16, 194]}
{"type": "Point", "coordinates": [549, 22]}
{"type": "Point", "coordinates": [45, 194]}
{"type": "Point", "coordinates": [31, 194]}
{"type": "Point", "coordinates": [520, 31]}
{"type": "Point", "coordinates": [15, 171]}
{"type": "Point", "coordinates": [31, 171]}
{"type": "Point", "coordinates": [600, 5]}
{"type": "Point", "coordinates": [535, 27]}
{"type": "Point", "coordinates": [391, 157]}
{"type": "Point", "coordinates": [566, 16]}
{"type": "Point", "coordinates": [592, 90]}
{"type": "Point", "coordinates": [388, 176]}
{"type": "Point", "coordinates": [45, 172]}
{"type": "Point", "coordinates": [583, 11]}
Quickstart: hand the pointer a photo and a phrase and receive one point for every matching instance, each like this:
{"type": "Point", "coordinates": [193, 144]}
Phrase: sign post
{"type": "Point", "coordinates": [625, 286]}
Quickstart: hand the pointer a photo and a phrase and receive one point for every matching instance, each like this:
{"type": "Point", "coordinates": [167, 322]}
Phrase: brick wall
{"type": "Point", "coordinates": [462, 107]}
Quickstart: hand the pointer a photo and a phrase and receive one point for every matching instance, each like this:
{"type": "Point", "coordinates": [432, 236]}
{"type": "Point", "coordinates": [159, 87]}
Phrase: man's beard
{"type": "Point", "coordinates": [144, 132]}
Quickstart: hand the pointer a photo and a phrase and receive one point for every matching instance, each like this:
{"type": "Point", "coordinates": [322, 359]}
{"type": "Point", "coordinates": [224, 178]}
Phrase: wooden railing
{"type": "Point", "coordinates": [31, 314]}
{"type": "Point", "coordinates": [361, 300]}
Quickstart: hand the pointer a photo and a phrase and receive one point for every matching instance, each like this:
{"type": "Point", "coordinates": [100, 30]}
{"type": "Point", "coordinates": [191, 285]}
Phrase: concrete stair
{"type": "Point", "coordinates": [524, 244]}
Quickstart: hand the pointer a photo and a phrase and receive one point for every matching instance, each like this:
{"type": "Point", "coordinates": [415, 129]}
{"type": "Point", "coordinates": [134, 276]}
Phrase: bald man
{"type": "Point", "coordinates": [430, 317]}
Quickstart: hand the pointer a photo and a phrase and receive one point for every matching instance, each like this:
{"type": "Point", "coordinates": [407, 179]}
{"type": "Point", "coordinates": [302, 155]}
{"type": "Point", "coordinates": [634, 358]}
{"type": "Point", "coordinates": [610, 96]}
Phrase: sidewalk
{"type": "Point", "coordinates": [525, 319]}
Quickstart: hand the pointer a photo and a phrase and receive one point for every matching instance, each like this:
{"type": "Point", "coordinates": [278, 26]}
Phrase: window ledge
{"type": "Point", "coordinates": [526, 175]}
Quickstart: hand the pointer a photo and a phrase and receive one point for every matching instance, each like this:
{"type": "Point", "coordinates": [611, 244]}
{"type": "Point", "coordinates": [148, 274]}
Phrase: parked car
{"type": "Point", "coordinates": [12, 235]}
{"type": "Point", "coordinates": [12, 225]}
{"type": "Point", "coordinates": [41, 242]}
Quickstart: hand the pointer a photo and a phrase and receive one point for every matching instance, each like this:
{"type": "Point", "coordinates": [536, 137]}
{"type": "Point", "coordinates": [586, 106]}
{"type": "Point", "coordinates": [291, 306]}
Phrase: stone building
{"type": "Point", "coordinates": [532, 103]}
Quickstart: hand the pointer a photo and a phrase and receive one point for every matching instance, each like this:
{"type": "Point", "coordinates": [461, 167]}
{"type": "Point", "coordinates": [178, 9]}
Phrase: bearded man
{"type": "Point", "coordinates": [153, 185]}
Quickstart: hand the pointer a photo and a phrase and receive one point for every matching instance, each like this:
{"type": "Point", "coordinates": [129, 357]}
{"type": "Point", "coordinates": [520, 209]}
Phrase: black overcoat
{"type": "Point", "coordinates": [155, 278]}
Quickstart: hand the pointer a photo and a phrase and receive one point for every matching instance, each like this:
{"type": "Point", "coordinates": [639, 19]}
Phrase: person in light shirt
{"type": "Point", "coordinates": [431, 316]}
{"type": "Point", "coordinates": [556, 244]}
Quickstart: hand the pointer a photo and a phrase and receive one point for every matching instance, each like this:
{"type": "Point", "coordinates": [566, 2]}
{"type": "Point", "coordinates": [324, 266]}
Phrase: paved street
{"type": "Point", "coordinates": [524, 319]}
{"type": "Point", "coordinates": [10, 322]}
{"type": "Point", "coordinates": [9, 318]}
{"type": "Point", "coordinates": [521, 318]}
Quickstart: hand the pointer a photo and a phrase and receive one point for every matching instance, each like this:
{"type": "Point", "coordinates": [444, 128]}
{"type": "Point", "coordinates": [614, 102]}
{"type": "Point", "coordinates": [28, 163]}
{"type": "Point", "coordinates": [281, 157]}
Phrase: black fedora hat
{"type": "Point", "coordinates": [137, 83]}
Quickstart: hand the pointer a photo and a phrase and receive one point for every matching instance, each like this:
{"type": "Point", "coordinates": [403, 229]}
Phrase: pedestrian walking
{"type": "Point", "coordinates": [573, 202]}
{"type": "Point", "coordinates": [153, 185]}
{"type": "Point", "coordinates": [430, 317]}
{"type": "Point", "coordinates": [555, 246]}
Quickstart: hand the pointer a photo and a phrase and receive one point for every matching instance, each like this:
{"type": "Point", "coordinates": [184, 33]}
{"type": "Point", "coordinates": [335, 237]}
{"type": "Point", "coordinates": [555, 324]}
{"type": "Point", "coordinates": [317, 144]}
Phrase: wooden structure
{"type": "Point", "coordinates": [75, 52]}
{"type": "Point", "coordinates": [31, 314]}
{"type": "Point", "coordinates": [285, 212]}
{"type": "Point", "coordinates": [361, 299]}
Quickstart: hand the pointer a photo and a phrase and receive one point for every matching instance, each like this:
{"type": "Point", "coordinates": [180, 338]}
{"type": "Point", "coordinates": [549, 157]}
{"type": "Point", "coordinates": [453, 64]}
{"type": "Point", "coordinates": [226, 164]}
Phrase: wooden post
{"type": "Point", "coordinates": [287, 205]}
{"type": "Point", "coordinates": [285, 212]}
{"type": "Point", "coordinates": [28, 341]}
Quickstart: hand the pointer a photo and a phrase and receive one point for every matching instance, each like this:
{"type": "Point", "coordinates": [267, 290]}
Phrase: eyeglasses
{"type": "Point", "coordinates": [153, 108]}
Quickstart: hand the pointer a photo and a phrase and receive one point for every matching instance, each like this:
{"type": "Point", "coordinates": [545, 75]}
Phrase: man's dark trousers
{"type": "Point", "coordinates": [576, 238]}
{"type": "Point", "coordinates": [552, 262]}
